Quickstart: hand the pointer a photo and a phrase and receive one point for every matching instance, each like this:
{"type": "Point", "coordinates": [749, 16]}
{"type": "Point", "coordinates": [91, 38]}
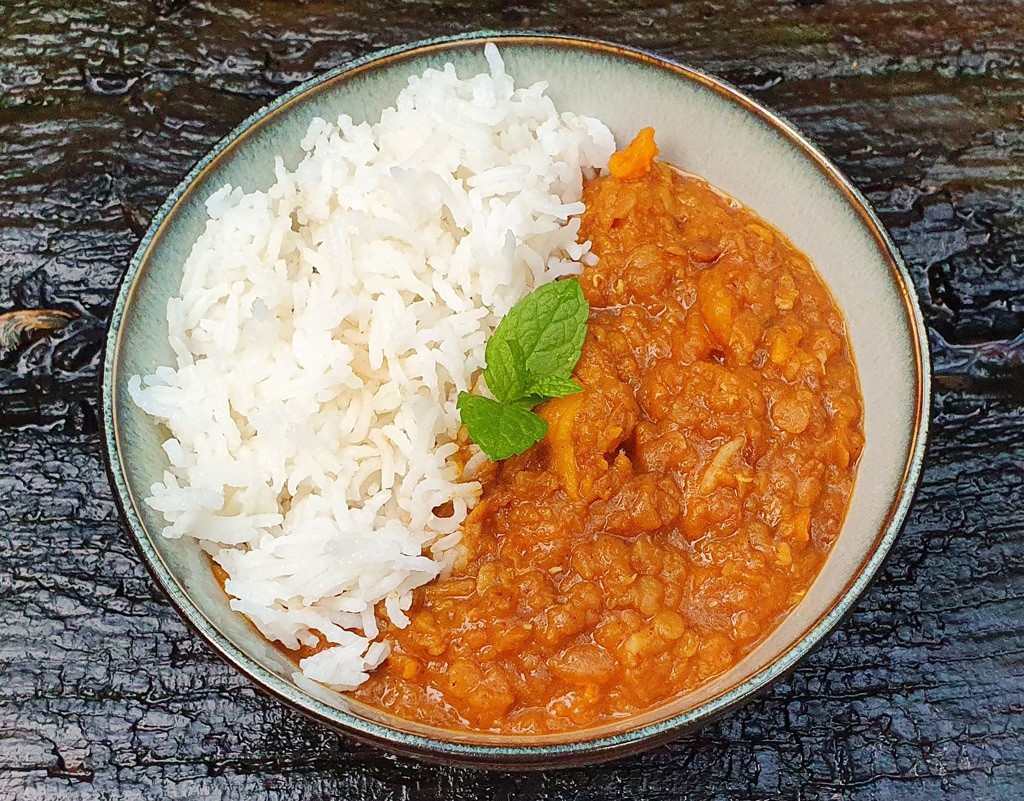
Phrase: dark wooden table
{"type": "Point", "coordinates": [103, 692]}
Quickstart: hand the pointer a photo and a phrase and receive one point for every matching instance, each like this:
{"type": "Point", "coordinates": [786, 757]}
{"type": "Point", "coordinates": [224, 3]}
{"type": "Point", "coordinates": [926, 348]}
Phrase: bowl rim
{"type": "Point", "coordinates": [513, 755]}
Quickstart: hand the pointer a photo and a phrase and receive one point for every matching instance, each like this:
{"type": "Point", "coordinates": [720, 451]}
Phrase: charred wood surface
{"type": "Point", "coordinates": [104, 106]}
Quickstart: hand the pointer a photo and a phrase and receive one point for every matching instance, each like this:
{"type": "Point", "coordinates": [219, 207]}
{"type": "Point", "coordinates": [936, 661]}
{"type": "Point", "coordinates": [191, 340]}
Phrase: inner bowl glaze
{"type": "Point", "coordinates": [705, 127]}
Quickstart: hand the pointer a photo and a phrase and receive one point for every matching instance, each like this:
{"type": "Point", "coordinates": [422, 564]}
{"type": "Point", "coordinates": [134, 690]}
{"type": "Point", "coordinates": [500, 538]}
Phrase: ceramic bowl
{"type": "Point", "coordinates": [704, 126]}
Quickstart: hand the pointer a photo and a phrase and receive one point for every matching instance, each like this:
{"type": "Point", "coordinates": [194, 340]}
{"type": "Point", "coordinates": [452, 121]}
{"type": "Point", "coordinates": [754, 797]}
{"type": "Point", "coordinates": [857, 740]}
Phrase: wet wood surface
{"type": "Point", "coordinates": [105, 104]}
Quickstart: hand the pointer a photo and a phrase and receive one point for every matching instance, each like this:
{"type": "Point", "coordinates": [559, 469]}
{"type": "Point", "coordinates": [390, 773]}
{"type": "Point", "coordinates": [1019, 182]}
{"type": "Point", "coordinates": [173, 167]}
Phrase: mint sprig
{"type": "Point", "coordinates": [530, 358]}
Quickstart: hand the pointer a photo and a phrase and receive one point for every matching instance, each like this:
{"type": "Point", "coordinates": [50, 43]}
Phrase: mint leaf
{"type": "Point", "coordinates": [554, 387]}
{"type": "Point", "coordinates": [553, 330]}
{"type": "Point", "coordinates": [546, 388]}
{"type": "Point", "coordinates": [500, 429]}
{"type": "Point", "coordinates": [541, 337]}
{"type": "Point", "coordinates": [505, 372]}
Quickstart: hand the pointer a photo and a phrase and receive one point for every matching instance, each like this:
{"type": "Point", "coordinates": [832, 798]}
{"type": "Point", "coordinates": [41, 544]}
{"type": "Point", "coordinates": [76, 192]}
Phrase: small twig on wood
{"type": "Point", "coordinates": [17, 326]}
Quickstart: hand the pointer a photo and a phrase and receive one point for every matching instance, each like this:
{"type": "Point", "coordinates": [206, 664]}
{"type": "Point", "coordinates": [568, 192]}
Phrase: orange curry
{"type": "Point", "coordinates": [678, 507]}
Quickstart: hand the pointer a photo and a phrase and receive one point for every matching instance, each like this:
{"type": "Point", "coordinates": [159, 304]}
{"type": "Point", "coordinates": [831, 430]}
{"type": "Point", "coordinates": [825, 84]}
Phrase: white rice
{"type": "Point", "coordinates": [322, 333]}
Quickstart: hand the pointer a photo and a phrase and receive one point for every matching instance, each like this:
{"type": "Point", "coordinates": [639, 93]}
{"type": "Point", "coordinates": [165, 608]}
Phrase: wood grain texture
{"type": "Point", "coordinates": [105, 104]}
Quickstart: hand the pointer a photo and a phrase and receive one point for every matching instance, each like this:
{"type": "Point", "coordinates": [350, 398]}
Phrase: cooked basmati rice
{"type": "Point", "coordinates": [322, 333]}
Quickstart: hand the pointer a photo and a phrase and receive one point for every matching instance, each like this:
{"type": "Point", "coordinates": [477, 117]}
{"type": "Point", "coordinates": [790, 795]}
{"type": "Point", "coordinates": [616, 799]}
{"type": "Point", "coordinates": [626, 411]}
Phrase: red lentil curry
{"type": "Point", "coordinates": [677, 508]}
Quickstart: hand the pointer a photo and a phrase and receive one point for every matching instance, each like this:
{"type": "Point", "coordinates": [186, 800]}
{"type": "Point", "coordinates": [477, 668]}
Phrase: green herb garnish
{"type": "Point", "coordinates": [530, 359]}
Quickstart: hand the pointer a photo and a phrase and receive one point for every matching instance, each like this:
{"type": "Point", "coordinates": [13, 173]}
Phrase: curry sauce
{"type": "Point", "coordinates": [677, 508]}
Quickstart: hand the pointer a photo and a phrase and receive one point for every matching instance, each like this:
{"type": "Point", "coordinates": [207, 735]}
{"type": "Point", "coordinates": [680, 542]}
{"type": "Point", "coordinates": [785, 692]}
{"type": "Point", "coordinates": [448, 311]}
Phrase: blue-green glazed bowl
{"type": "Point", "coordinates": [705, 127]}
